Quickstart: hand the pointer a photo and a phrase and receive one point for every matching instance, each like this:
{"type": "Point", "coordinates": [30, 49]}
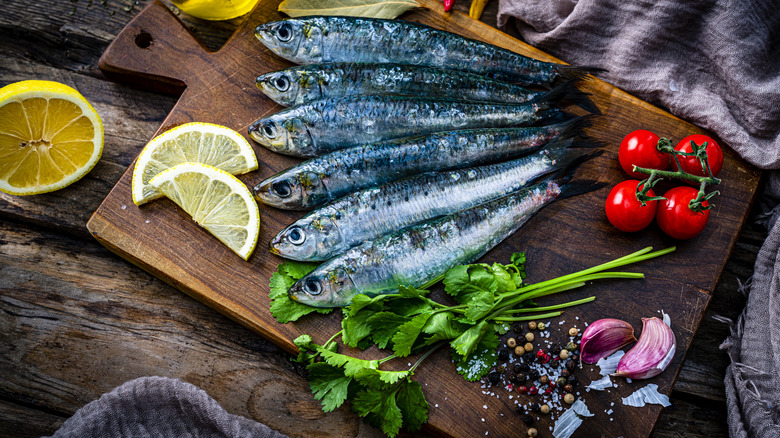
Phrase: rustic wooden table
{"type": "Point", "coordinates": [77, 321]}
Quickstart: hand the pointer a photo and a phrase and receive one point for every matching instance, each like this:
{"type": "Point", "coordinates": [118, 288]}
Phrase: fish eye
{"type": "Point", "coordinates": [284, 32]}
{"type": "Point", "coordinates": [282, 189]}
{"type": "Point", "coordinates": [282, 83]}
{"type": "Point", "coordinates": [296, 236]}
{"type": "Point", "coordinates": [312, 286]}
{"type": "Point", "coordinates": [269, 129]}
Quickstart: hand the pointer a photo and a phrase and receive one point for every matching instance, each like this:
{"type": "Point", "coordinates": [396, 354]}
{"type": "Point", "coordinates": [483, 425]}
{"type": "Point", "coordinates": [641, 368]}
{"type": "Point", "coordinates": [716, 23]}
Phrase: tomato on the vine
{"type": "Point", "coordinates": [624, 210]}
{"type": "Point", "coordinates": [691, 164]}
{"type": "Point", "coordinates": [676, 218]}
{"type": "Point", "coordinates": [639, 148]}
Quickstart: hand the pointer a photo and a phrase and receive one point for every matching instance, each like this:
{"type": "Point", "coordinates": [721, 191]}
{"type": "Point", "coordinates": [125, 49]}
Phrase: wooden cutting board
{"type": "Point", "coordinates": [155, 51]}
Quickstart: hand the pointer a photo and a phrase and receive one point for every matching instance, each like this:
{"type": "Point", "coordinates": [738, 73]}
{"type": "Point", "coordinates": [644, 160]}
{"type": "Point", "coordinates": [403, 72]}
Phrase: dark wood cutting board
{"type": "Point", "coordinates": [155, 51]}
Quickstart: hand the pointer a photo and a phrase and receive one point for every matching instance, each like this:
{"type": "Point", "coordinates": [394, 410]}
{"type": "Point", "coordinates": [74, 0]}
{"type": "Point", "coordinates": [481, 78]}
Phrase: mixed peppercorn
{"type": "Point", "coordinates": [540, 375]}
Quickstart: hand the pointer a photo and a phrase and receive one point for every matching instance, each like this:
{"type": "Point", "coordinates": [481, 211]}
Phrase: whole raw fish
{"type": "Point", "coordinates": [323, 179]}
{"type": "Point", "coordinates": [310, 40]}
{"type": "Point", "coordinates": [307, 83]}
{"type": "Point", "coordinates": [329, 124]}
{"type": "Point", "coordinates": [374, 212]}
{"type": "Point", "coordinates": [420, 253]}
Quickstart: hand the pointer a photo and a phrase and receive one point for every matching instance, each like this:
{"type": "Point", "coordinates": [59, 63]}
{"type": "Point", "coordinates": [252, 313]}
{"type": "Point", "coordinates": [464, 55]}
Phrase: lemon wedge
{"type": "Point", "coordinates": [50, 137]}
{"type": "Point", "coordinates": [195, 142]}
{"type": "Point", "coordinates": [216, 200]}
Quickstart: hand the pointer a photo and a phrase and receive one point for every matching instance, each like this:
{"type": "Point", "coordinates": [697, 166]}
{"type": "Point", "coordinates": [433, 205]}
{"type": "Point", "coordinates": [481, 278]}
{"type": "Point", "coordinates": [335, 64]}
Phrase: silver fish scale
{"type": "Point", "coordinates": [420, 253]}
{"type": "Point", "coordinates": [366, 166]}
{"type": "Point", "coordinates": [396, 205]}
{"type": "Point", "coordinates": [338, 123]}
{"type": "Point", "coordinates": [348, 39]}
{"type": "Point", "coordinates": [345, 79]}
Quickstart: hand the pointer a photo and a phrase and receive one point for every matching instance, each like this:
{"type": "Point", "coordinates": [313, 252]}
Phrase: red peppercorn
{"type": "Point", "coordinates": [522, 389]}
{"type": "Point", "coordinates": [533, 390]}
{"type": "Point", "coordinates": [540, 354]}
{"type": "Point", "coordinates": [546, 358]}
{"type": "Point", "coordinates": [568, 388]}
{"type": "Point", "coordinates": [552, 384]}
{"type": "Point", "coordinates": [548, 391]}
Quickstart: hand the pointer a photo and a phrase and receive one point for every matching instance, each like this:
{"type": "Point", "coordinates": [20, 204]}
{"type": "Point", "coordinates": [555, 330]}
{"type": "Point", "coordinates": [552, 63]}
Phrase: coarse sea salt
{"type": "Point", "coordinates": [600, 385]}
{"type": "Point", "coordinates": [570, 420]}
{"type": "Point", "coordinates": [609, 364]}
{"type": "Point", "coordinates": [647, 394]}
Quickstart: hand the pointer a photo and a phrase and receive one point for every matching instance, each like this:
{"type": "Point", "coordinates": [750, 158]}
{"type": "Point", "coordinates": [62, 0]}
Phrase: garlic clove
{"type": "Point", "coordinates": [651, 354]}
{"type": "Point", "coordinates": [604, 337]}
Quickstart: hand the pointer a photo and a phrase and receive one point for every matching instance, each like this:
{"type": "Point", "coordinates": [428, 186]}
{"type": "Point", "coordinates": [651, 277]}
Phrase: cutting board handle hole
{"type": "Point", "coordinates": [144, 40]}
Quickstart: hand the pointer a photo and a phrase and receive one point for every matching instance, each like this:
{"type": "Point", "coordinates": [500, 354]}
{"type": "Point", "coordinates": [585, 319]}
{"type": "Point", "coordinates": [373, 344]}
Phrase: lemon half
{"type": "Point", "coordinates": [216, 200]}
{"type": "Point", "coordinates": [50, 137]}
{"type": "Point", "coordinates": [195, 142]}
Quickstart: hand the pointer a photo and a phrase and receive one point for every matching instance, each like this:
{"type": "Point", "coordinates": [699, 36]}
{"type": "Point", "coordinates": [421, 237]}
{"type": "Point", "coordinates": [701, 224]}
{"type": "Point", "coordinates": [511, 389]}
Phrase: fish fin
{"type": "Point", "coordinates": [548, 115]}
{"type": "Point", "coordinates": [569, 72]}
{"type": "Point", "coordinates": [574, 188]}
{"type": "Point", "coordinates": [574, 127]}
{"type": "Point", "coordinates": [568, 93]}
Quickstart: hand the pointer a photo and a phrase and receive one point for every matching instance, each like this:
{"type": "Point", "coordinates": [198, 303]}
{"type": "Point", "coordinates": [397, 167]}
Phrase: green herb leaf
{"type": "Point", "coordinates": [351, 365]}
{"type": "Point", "coordinates": [352, 8]}
{"type": "Point", "coordinates": [282, 307]}
{"type": "Point", "coordinates": [466, 343]}
{"type": "Point", "coordinates": [379, 379]}
{"type": "Point", "coordinates": [414, 407]}
{"type": "Point", "coordinates": [356, 326]}
{"type": "Point", "coordinates": [479, 305]}
{"type": "Point", "coordinates": [307, 350]}
{"type": "Point", "coordinates": [408, 306]}
{"type": "Point", "coordinates": [477, 364]}
{"type": "Point", "coordinates": [443, 327]}
{"type": "Point", "coordinates": [404, 340]}
{"type": "Point", "coordinates": [505, 282]}
{"type": "Point", "coordinates": [384, 325]}
{"type": "Point", "coordinates": [456, 279]}
{"type": "Point", "coordinates": [386, 413]}
{"type": "Point", "coordinates": [410, 292]}
{"type": "Point", "coordinates": [328, 384]}
{"type": "Point", "coordinates": [361, 301]}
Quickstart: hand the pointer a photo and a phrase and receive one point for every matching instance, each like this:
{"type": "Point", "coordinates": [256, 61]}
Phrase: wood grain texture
{"type": "Point", "coordinates": [60, 46]}
{"type": "Point", "coordinates": [564, 237]}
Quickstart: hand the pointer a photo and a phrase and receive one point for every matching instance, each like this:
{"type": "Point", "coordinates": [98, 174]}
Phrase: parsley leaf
{"type": "Point", "coordinates": [384, 325]}
{"type": "Point", "coordinates": [329, 384]}
{"type": "Point", "coordinates": [386, 413]}
{"type": "Point", "coordinates": [355, 326]}
{"type": "Point", "coordinates": [477, 364]}
{"type": "Point", "coordinates": [479, 306]}
{"type": "Point", "coordinates": [466, 343]}
{"type": "Point", "coordinates": [414, 408]}
{"type": "Point", "coordinates": [351, 365]}
{"type": "Point", "coordinates": [404, 340]}
{"type": "Point", "coordinates": [379, 379]}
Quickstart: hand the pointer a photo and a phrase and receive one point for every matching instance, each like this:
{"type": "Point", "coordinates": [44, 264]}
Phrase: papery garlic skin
{"type": "Point", "coordinates": [604, 337]}
{"type": "Point", "coordinates": [652, 353]}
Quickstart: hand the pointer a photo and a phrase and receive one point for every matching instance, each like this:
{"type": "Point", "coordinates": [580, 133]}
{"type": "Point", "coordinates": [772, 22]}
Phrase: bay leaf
{"type": "Point", "coordinates": [354, 8]}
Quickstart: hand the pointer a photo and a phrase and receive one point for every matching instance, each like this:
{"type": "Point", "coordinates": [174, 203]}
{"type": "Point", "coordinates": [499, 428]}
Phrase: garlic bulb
{"type": "Point", "coordinates": [652, 352]}
{"type": "Point", "coordinates": [604, 337]}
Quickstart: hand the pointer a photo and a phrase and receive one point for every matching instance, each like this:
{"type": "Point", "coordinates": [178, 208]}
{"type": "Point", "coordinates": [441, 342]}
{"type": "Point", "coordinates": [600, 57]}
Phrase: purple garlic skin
{"type": "Point", "coordinates": [651, 354]}
{"type": "Point", "coordinates": [604, 337]}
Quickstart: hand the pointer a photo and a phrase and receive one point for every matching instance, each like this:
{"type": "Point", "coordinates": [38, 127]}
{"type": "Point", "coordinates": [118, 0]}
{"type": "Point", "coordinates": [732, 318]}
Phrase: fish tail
{"type": "Point", "coordinates": [574, 188]}
{"type": "Point", "coordinates": [567, 155]}
{"type": "Point", "coordinates": [568, 92]}
{"type": "Point", "coordinates": [568, 73]}
{"type": "Point", "coordinates": [550, 115]}
{"type": "Point", "coordinates": [574, 127]}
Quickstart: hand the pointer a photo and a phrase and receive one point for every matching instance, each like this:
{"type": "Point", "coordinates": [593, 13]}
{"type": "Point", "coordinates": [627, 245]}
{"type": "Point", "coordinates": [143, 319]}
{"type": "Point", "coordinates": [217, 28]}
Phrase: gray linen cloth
{"type": "Point", "coordinates": [159, 407]}
{"type": "Point", "coordinates": [715, 63]}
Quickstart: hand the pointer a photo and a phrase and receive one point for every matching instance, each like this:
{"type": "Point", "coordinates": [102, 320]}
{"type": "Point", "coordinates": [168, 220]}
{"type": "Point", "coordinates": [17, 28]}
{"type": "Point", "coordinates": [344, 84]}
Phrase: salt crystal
{"type": "Point", "coordinates": [600, 385]}
{"type": "Point", "coordinates": [647, 394]}
{"type": "Point", "coordinates": [436, 405]}
{"type": "Point", "coordinates": [609, 364]}
{"type": "Point", "coordinates": [124, 206]}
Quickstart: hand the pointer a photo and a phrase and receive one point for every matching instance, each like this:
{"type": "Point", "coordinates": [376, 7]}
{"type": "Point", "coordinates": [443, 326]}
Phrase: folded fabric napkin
{"type": "Point", "coordinates": [715, 63]}
{"type": "Point", "coordinates": [159, 407]}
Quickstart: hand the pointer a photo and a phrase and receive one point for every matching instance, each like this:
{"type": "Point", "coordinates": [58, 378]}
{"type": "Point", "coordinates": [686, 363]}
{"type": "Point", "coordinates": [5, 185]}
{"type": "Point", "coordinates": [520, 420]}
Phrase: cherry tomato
{"type": "Point", "coordinates": [675, 217]}
{"type": "Point", "coordinates": [625, 212]}
{"type": "Point", "coordinates": [691, 164]}
{"type": "Point", "coordinates": [639, 148]}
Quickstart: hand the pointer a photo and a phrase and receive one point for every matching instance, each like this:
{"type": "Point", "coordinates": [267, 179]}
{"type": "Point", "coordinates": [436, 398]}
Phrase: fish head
{"type": "Point", "coordinates": [309, 239]}
{"type": "Point", "coordinates": [284, 134]}
{"type": "Point", "coordinates": [293, 189]}
{"type": "Point", "coordinates": [328, 285]}
{"type": "Point", "coordinates": [297, 40]}
{"type": "Point", "coordinates": [283, 86]}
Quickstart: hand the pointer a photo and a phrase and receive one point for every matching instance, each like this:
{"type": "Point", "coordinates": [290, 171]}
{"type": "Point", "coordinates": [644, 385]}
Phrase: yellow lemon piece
{"type": "Point", "coordinates": [50, 137]}
{"type": "Point", "coordinates": [216, 200]}
{"type": "Point", "coordinates": [195, 142]}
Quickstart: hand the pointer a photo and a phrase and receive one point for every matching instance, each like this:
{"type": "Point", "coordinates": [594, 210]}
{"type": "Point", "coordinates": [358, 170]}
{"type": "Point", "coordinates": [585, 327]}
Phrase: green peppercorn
{"type": "Point", "coordinates": [564, 354]}
{"type": "Point", "coordinates": [511, 343]}
{"type": "Point", "coordinates": [571, 346]}
{"type": "Point", "coordinates": [501, 369]}
{"type": "Point", "coordinates": [529, 337]}
{"type": "Point", "coordinates": [545, 409]}
{"type": "Point", "coordinates": [532, 325]}
{"type": "Point", "coordinates": [541, 326]}
{"type": "Point", "coordinates": [561, 381]}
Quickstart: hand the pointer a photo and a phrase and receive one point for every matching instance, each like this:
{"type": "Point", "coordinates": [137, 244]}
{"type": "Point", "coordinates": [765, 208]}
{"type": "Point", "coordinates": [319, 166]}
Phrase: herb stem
{"type": "Point", "coordinates": [332, 338]}
{"type": "Point", "coordinates": [546, 308]}
{"type": "Point", "coordinates": [435, 347]}
{"type": "Point", "coordinates": [526, 318]}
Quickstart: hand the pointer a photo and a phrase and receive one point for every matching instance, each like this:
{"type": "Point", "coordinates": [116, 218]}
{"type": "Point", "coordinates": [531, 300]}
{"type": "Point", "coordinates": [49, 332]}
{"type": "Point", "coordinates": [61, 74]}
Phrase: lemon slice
{"type": "Point", "coordinates": [216, 200]}
{"type": "Point", "coordinates": [195, 142]}
{"type": "Point", "coordinates": [50, 136]}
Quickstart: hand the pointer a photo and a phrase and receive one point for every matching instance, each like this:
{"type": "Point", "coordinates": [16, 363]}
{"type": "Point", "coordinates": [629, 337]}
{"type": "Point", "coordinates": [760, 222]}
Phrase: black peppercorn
{"type": "Point", "coordinates": [521, 377]}
{"type": "Point", "coordinates": [535, 407]}
{"type": "Point", "coordinates": [529, 357]}
{"type": "Point", "coordinates": [513, 378]}
{"type": "Point", "coordinates": [517, 368]}
{"type": "Point", "coordinates": [555, 363]}
{"type": "Point", "coordinates": [575, 358]}
{"type": "Point", "coordinates": [556, 348]}
{"type": "Point", "coordinates": [494, 378]}
{"type": "Point", "coordinates": [518, 328]}
{"type": "Point", "coordinates": [524, 367]}
{"type": "Point", "coordinates": [571, 366]}
{"type": "Point", "coordinates": [565, 373]}
{"type": "Point", "coordinates": [572, 380]}
{"type": "Point", "coordinates": [503, 354]}
{"type": "Point", "coordinates": [533, 375]}
{"type": "Point", "coordinates": [527, 418]}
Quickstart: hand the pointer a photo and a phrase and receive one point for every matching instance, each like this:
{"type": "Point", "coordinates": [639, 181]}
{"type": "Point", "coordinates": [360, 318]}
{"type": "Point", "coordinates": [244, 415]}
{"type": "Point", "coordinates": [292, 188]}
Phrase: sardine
{"type": "Point", "coordinates": [311, 40]}
{"type": "Point", "coordinates": [374, 212]}
{"type": "Point", "coordinates": [322, 179]}
{"type": "Point", "coordinates": [307, 83]}
{"type": "Point", "coordinates": [420, 253]}
{"type": "Point", "coordinates": [329, 124]}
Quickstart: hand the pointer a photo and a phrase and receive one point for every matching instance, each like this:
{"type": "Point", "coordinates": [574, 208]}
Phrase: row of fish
{"type": "Point", "coordinates": [393, 179]}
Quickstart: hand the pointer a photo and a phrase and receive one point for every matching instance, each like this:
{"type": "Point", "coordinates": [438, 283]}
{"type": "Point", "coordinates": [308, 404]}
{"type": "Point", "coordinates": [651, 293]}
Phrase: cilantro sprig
{"type": "Point", "coordinates": [486, 298]}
